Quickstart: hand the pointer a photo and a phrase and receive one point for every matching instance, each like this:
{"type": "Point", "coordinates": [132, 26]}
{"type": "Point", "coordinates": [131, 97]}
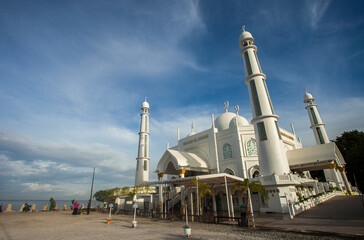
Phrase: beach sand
{"type": "Point", "coordinates": [64, 225]}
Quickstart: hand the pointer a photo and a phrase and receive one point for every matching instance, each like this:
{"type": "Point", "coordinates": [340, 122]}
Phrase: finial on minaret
{"type": "Point", "coordinates": [305, 90]}
{"type": "Point", "coordinates": [236, 108]}
{"type": "Point", "coordinates": [145, 99]}
{"type": "Point", "coordinates": [226, 106]}
{"type": "Point", "coordinates": [243, 28]}
{"type": "Point", "coordinates": [192, 128]}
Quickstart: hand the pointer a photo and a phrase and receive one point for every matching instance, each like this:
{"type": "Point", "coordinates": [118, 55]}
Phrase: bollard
{"type": "Point", "coordinates": [22, 207]}
{"type": "Point", "coordinates": [33, 209]}
{"type": "Point", "coordinates": [8, 208]}
{"type": "Point", "coordinates": [45, 207]}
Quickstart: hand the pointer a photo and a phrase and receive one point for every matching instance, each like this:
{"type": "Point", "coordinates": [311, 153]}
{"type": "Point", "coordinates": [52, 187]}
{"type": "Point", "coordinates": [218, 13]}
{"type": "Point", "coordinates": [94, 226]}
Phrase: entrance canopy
{"type": "Point", "coordinates": [315, 158]}
{"type": "Point", "coordinates": [210, 179]}
{"type": "Point", "coordinates": [172, 161]}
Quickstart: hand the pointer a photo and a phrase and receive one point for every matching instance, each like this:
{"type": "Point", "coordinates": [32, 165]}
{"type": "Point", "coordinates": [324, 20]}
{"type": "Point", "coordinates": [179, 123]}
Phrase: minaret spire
{"type": "Point", "coordinates": [142, 169]}
{"type": "Point", "coordinates": [272, 158]}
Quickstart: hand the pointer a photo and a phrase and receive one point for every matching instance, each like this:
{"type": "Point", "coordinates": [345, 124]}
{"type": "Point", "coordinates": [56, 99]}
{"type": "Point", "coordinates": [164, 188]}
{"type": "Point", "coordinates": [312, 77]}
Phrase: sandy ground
{"type": "Point", "coordinates": [63, 225]}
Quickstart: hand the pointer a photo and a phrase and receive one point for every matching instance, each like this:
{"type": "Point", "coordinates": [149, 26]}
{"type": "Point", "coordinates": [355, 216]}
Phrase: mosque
{"type": "Point", "coordinates": [232, 149]}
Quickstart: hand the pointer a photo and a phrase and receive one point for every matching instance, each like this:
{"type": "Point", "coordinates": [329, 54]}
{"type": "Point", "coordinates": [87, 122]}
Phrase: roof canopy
{"type": "Point", "coordinates": [315, 158]}
{"type": "Point", "coordinates": [172, 161]}
{"type": "Point", "coordinates": [210, 179]}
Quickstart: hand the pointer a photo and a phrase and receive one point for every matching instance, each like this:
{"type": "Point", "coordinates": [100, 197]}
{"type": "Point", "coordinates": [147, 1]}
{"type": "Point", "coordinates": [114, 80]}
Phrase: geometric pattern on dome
{"type": "Point", "coordinates": [228, 151]}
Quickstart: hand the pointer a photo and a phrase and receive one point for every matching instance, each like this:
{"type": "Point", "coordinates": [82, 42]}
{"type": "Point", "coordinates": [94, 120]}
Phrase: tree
{"type": "Point", "coordinates": [247, 187]}
{"type": "Point", "coordinates": [203, 190]}
{"type": "Point", "coordinates": [52, 204]}
{"type": "Point", "coordinates": [351, 145]}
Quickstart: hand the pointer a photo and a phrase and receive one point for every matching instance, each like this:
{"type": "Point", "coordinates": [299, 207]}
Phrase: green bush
{"type": "Point", "coordinates": [52, 204]}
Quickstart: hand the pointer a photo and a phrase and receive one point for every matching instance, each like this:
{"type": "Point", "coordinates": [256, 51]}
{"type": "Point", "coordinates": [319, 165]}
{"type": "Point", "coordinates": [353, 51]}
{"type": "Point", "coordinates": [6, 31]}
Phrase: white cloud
{"type": "Point", "coordinates": [316, 11]}
{"type": "Point", "coordinates": [35, 187]}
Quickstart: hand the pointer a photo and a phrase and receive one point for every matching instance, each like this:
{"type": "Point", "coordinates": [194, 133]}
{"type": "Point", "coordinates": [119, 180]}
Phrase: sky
{"type": "Point", "coordinates": [73, 76]}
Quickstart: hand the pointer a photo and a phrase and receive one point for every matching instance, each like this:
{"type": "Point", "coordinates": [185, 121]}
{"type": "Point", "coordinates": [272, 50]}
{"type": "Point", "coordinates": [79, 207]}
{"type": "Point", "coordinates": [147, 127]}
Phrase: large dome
{"type": "Point", "coordinates": [227, 120]}
{"type": "Point", "coordinates": [241, 121]}
{"type": "Point", "coordinates": [222, 122]}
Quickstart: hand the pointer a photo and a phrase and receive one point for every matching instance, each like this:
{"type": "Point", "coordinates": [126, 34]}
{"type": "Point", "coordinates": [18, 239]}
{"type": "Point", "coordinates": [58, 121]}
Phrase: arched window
{"type": "Point", "coordinates": [228, 151]}
{"type": "Point", "coordinates": [251, 147]}
{"type": "Point", "coordinates": [229, 171]}
{"type": "Point", "coordinates": [256, 174]}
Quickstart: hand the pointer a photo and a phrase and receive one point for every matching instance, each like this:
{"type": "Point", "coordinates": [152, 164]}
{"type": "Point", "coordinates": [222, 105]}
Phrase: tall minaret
{"type": "Point", "coordinates": [319, 131]}
{"type": "Point", "coordinates": [317, 126]}
{"type": "Point", "coordinates": [142, 169]}
{"type": "Point", "coordinates": [272, 158]}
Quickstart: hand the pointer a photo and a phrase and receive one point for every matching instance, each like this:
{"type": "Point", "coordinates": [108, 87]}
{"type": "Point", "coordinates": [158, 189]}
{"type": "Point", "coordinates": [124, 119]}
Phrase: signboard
{"type": "Point", "coordinates": [135, 205]}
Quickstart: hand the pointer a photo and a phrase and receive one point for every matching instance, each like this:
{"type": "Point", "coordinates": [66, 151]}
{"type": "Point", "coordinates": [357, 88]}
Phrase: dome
{"type": "Point", "coordinates": [308, 98]}
{"type": "Point", "coordinates": [245, 36]}
{"type": "Point", "coordinates": [241, 121]}
{"type": "Point", "coordinates": [222, 122]}
{"type": "Point", "coordinates": [145, 104]}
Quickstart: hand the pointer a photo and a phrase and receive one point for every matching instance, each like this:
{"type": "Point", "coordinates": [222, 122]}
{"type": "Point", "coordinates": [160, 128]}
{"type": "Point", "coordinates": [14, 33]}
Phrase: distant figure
{"type": "Point", "coordinates": [26, 207]}
{"type": "Point", "coordinates": [75, 208]}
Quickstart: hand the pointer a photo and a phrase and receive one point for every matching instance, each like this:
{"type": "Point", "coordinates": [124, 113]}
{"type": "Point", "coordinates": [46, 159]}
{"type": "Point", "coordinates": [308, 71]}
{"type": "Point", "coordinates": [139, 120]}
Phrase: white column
{"type": "Point", "coordinates": [241, 154]}
{"type": "Point", "coordinates": [160, 198]}
{"type": "Point", "coordinates": [151, 205]}
{"type": "Point", "coordinates": [190, 199]}
{"type": "Point", "coordinates": [215, 145]}
{"type": "Point", "coordinates": [347, 184]}
{"type": "Point", "coordinates": [197, 200]}
{"type": "Point", "coordinates": [214, 208]}
{"type": "Point", "coordinates": [227, 197]}
{"type": "Point", "coordinates": [231, 202]}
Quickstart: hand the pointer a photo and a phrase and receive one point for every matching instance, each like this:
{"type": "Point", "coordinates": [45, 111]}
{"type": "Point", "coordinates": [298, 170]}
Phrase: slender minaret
{"type": "Point", "coordinates": [317, 126]}
{"type": "Point", "coordinates": [272, 158]}
{"type": "Point", "coordinates": [142, 169]}
{"type": "Point", "coordinates": [319, 131]}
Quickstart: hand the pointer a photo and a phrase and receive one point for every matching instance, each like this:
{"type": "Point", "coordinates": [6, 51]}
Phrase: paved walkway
{"type": "Point", "coordinates": [342, 215]}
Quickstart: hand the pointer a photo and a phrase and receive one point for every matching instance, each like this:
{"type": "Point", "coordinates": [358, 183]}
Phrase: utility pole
{"type": "Point", "coordinates": [92, 187]}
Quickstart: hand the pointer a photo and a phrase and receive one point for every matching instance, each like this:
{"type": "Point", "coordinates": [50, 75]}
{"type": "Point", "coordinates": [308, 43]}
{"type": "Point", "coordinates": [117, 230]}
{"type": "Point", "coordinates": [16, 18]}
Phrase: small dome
{"type": "Point", "coordinates": [222, 122]}
{"type": "Point", "coordinates": [245, 36]}
{"type": "Point", "coordinates": [308, 98]}
{"type": "Point", "coordinates": [241, 121]}
{"type": "Point", "coordinates": [145, 104]}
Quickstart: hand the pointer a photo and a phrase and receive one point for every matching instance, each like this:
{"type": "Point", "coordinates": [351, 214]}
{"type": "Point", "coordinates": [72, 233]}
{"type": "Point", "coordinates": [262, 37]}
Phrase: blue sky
{"type": "Point", "coordinates": [73, 75]}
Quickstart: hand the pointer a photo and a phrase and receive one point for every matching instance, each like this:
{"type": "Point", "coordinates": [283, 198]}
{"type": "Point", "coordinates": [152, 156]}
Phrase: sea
{"type": "Point", "coordinates": [39, 204]}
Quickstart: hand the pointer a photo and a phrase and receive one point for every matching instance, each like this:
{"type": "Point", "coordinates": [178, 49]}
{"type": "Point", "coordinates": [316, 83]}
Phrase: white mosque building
{"type": "Point", "coordinates": [232, 149]}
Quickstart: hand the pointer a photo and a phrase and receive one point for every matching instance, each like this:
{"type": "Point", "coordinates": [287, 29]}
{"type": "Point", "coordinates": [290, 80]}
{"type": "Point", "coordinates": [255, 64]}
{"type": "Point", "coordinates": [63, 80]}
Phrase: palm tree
{"type": "Point", "coordinates": [203, 190]}
{"type": "Point", "coordinates": [247, 187]}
